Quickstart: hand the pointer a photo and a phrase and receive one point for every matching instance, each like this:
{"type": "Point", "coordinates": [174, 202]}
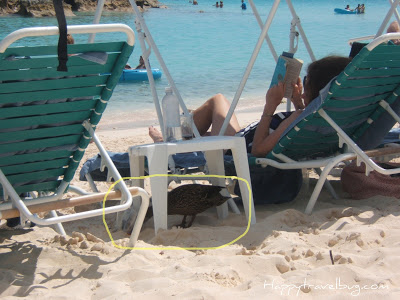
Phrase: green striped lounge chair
{"type": "Point", "coordinates": [48, 118]}
{"type": "Point", "coordinates": [352, 114]}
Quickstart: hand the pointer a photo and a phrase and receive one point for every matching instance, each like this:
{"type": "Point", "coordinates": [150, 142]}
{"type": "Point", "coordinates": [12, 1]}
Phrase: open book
{"type": "Point", "coordinates": [287, 70]}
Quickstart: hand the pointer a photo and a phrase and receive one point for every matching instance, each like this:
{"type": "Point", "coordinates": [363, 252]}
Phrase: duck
{"type": "Point", "coordinates": [192, 199]}
{"type": "Point", "coordinates": [186, 200]}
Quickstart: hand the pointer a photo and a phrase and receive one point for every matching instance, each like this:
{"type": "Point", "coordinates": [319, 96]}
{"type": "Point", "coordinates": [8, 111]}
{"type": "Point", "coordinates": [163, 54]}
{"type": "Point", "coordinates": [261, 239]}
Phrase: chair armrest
{"type": "Point", "coordinates": [73, 29]}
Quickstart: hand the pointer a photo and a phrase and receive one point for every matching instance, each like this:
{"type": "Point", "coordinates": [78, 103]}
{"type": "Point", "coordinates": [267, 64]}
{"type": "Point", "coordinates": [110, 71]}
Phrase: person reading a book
{"type": "Point", "coordinates": [319, 73]}
{"type": "Point", "coordinates": [261, 136]}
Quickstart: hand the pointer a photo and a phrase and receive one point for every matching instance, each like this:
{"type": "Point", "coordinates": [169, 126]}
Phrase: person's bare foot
{"type": "Point", "coordinates": [155, 135]}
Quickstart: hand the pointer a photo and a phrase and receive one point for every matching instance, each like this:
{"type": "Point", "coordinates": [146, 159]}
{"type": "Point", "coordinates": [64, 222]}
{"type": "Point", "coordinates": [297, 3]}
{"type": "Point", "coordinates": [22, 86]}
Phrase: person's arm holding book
{"type": "Point", "coordinates": [287, 69]}
{"type": "Point", "coordinates": [264, 141]}
{"type": "Point", "coordinates": [296, 99]}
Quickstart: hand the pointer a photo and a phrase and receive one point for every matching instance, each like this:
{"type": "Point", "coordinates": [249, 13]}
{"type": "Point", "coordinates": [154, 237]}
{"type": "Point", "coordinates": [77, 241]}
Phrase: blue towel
{"type": "Point", "coordinates": [92, 166]}
{"type": "Point", "coordinates": [269, 185]}
{"type": "Point", "coordinates": [121, 162]}
{"type": "Point", "coordinates": [392, 137]}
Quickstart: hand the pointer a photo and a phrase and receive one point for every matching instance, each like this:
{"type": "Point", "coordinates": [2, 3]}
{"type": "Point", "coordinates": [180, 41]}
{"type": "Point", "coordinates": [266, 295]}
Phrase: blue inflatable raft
{"type": "Point", "coordinates": [344, 11]}
{"type": "Point", "coordinates": [138, 75]}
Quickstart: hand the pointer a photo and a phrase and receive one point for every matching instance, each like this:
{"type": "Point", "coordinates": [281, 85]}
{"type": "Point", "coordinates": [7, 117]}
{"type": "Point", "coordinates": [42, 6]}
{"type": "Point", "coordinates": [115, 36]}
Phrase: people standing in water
{"type": "Point", "coordinates": [221, 4]}
{"type": "Point", "coordinates": [141, 64]}
{"type": "Point", "coordinates": [216, 4]}
{"type": "Point", "coordinates": [243, 5]}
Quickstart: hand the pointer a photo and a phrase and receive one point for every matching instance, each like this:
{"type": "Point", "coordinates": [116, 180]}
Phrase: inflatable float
{"type": "Point", "coordinates": [138, 75]}
{"type": "Point", "coordinates": [344, 11]}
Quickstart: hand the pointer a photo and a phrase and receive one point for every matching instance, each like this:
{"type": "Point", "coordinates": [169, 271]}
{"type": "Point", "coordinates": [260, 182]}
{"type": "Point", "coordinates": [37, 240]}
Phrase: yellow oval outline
{"type": "Point", "coordinates": [176, 248]}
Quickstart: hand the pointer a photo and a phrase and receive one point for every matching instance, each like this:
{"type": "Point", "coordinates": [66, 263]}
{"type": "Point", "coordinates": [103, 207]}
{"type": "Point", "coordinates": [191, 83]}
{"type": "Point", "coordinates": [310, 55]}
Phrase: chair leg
{"type": "Point", "coordinates": [91, 182]}
{"type": "Point", "coordinates": [129, 217]}
{"type": "Point", "coordinates": [140, 217]}
{"type": "Point", "coordinates": [320, 183]}
{"type": "Point", "coordinates": [58, 226]}
{"type": "Point", "coordinates": [306, 180]}
{"type": "Point", "coordinates": [327, 184]}
{"type": "Point", "coordinates": [157, 158]}
{"type": "Point", "coordinates": [158, 168]}
{"type": "Point", "coordinates": [136, 164]}
{"type": "Point", "coordinates": [216, 167]}
{"type": "Point", "coordinates": [233, 206]}
{"type": "Point", "coordinates": [243, 171]}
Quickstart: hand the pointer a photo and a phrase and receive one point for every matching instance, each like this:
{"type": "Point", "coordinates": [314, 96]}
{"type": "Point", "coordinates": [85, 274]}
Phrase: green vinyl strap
{"type": "Point", "coordinates": [42, 140]}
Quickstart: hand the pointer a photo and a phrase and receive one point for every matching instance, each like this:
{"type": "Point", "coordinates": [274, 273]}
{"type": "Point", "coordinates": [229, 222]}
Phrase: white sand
{"type": "Point", "coordinates": [285, 255]}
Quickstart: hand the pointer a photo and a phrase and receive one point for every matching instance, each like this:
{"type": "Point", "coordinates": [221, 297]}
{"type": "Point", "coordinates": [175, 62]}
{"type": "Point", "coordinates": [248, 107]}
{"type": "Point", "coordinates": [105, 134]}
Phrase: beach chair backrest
{"type": "Point", "coordinates": [353, 101]}
{"type": "Point", "coordinates": [42, 110]}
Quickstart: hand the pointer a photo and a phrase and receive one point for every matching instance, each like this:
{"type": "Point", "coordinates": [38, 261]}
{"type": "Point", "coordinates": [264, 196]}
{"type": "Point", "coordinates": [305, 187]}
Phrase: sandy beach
{"type": "Point", "coordinates": [346, 249]}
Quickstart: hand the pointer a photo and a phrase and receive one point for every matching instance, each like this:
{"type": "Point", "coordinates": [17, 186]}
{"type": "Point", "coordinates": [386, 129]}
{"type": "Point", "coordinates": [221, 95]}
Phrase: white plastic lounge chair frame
{"type": "Point", "coordinates": [55, 199]}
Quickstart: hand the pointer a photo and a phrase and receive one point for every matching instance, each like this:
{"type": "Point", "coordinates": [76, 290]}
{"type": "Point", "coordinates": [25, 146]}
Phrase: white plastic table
{"type": "Point", "coordinates": [157, 156]}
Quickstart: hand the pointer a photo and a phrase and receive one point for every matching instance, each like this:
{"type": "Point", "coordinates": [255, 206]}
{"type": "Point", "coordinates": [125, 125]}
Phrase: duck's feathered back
{"type": "Point", "coordinates": [192, 199]}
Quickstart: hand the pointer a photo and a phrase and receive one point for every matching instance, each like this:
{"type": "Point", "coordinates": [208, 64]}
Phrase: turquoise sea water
{"type": "Point", "coordinates": [207, 49]}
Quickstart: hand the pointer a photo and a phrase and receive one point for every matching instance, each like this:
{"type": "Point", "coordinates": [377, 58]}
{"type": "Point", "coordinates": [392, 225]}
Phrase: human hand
{"type": "Point", "coordinates": [297, 88]}
{"type": "Point", "coordinates": [274, 97]}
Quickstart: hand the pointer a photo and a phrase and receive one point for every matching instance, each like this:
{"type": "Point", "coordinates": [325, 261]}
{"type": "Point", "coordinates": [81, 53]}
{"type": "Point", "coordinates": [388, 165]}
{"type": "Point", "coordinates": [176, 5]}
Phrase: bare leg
{"type": "Point", "coordinates": [212, 114]}
{"type": "Point", "coordinates": [155, 135]}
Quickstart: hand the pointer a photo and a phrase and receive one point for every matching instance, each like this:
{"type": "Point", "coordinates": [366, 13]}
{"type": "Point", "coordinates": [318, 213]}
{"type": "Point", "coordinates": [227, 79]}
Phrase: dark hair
{"type": "Point", "coordinates": [70, 39]}
{"type": "Point", "coordinates": [320, 72]}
